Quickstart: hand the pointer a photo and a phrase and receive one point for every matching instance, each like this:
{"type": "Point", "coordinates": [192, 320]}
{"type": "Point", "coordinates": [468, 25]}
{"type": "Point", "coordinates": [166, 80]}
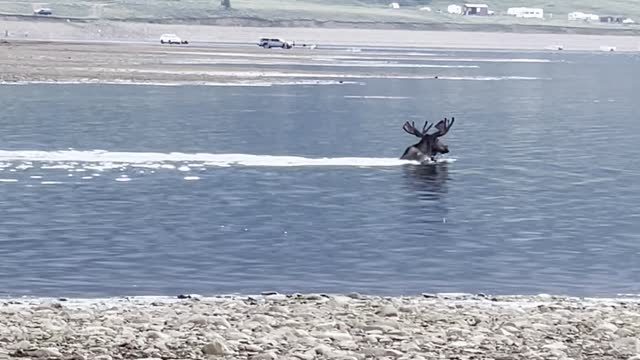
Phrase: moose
{"type": "Point", "coordinates": [430, 144]}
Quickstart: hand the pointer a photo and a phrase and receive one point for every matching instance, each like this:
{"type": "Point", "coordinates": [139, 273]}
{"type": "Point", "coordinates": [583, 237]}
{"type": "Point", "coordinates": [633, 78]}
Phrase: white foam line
{"type": "Point", "coordinates": [246, 74]}
{"type": "Point", "coordinates": [498, 60]}
{"type": "Point", "coordinates": [376, 97]}
{"type": "Point", "coordinates": [179, 83]}
{"type": "Point", "coordinates": [256, 75]}
{"type": "Point", "coordinates": [59, 166]}
{"type": "Point", "coordinates": [367, 64]}
{"type": "Point", "coordinates": [237, 54]}
{"type": "Point", "coordinates": [275, 74]}
{"type": "Point", "coordinates": [115, 159]}
{"type": "Point", "coordinates": [489, 78]}
{"type": "Point", "coordinates": [410, 56]}
{"type": "Point", "coordinates": [314, 82]}
{"type": "Point", "coordinates": [309, 56]}
{"type": "Point", "coordinates": [386, 53]}
{"type": "Point", "coordinates": [445, 59]}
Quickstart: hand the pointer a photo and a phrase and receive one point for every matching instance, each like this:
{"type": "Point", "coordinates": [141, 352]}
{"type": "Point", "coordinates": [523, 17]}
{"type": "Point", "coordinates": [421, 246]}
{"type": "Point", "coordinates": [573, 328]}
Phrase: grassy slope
{"type": "Point", "coordinates": [300, 12]}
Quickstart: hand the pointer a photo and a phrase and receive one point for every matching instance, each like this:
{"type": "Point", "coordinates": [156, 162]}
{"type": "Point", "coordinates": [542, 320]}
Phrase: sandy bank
{"type": "Point", "coordinates": [46, 62]}
{"type": "Point", "coordinates": [311, 326]}
{"type": "Point", "coordinates": [129, 63]}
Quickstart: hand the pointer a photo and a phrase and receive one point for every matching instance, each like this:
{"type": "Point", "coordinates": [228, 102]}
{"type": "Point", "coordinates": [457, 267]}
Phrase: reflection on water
{"type": "Point", "coordinates": [427, 182]}
{"type": "Point", "coordinates": [426, 187]}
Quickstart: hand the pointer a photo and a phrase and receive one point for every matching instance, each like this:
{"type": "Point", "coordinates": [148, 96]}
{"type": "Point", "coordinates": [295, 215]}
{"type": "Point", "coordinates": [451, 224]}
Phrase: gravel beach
{"type": "Point", "coordinates": [318, 326]}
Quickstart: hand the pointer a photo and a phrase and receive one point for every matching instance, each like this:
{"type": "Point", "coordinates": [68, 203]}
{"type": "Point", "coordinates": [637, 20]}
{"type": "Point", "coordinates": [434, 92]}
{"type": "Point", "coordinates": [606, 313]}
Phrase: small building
{"type": "Point", "coordinates": [394, 5]}
{"type": "Point", "coordinates": [525, 12]}
{"type": "Point", "coordinates": [577, 15]}
{"type": "Point", "coordinates": [454, 9]}
{"type": "Point", "coordinates": [476, 9]}
{"type": "Point", "coordinates": [612, 19]}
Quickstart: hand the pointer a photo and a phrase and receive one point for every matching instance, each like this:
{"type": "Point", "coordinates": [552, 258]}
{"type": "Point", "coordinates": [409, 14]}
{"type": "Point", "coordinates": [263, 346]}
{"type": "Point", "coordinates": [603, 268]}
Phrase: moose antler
{"type": "Point", "coordinates": [425, 129]}
{"type": "Point", "coordinates": [411, 129]}
{"type": "Point", "coordinates": [443, 126]}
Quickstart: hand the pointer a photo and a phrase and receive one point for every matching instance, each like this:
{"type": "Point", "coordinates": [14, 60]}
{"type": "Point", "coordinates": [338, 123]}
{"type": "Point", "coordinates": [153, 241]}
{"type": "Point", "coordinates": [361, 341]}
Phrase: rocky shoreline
{"type": "Point", "coordinates": [319, 326]}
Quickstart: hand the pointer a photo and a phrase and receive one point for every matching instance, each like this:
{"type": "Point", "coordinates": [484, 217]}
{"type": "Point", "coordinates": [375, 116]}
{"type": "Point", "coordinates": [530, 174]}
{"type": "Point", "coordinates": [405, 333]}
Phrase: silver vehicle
{"type": "Point", "coordinates": [275, 42]}
{"type": "Point", "coordinates": [42, 11]}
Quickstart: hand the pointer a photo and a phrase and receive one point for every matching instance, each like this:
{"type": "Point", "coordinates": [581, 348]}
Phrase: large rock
{"type": "Point", "coordinates": [216, 348]}
{"type": "Point", "coordinates": [387, 310]}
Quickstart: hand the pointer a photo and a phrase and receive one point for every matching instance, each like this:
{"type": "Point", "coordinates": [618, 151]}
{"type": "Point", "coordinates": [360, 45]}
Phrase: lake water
{"type": "Point", "coordinates": [298, 188]}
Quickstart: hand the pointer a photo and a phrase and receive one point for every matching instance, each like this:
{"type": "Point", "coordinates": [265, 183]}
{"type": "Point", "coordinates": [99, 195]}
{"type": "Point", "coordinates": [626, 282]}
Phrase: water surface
{"type": "Point", "coordinates": [542, 195]}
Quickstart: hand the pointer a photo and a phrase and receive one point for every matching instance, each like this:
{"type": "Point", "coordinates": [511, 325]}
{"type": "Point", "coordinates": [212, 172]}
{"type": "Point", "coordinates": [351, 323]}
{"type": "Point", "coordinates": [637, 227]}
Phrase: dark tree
{"type": "Point", "coordinates": [226, 4]}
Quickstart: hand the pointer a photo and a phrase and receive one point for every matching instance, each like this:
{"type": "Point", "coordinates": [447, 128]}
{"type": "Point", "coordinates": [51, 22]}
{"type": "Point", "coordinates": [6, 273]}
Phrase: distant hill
{"type": "Point", "coordinates": [412, 14]}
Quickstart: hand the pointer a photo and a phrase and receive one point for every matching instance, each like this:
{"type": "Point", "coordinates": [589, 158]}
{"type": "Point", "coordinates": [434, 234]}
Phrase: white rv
{"type": "Point", "coordinates": [525, 12]}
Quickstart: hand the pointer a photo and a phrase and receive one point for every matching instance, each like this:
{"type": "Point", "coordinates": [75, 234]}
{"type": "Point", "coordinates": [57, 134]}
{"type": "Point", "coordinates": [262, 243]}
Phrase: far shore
{"type": "Point", "coordinates": [109, 31]}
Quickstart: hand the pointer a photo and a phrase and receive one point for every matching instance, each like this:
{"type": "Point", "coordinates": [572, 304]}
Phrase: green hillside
{"type": "Point", "coordinates": [362, 13]}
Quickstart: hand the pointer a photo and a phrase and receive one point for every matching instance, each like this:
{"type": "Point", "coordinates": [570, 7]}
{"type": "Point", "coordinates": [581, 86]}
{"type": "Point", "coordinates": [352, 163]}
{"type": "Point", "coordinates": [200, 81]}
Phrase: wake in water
{"type": "Point", "coordinates": [50, 168]}
{"type": "Point", "coordinates": [109, 159]}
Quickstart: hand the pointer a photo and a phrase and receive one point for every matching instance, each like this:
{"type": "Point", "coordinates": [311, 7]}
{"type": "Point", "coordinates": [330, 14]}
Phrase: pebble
{"type": "Point", "coordinates": [607, 327]}
{"type": "Point", "coordinates": [334, 335]}
{"type": "Point", "coordinates": [265, 356]}
{"type": "Point", "coordinates": [46, 353]}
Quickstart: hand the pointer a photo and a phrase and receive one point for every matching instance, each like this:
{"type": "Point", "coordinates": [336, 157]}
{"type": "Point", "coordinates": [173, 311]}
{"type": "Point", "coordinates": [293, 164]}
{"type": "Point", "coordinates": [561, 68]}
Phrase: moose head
{"type": "Point", "coordinates": [430, 144]}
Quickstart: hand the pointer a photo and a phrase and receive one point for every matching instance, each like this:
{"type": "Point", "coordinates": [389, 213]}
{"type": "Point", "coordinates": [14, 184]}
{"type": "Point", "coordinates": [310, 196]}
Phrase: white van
{"type": "Point", "coordinates": [171, 39]}
{"type": "Point", "coordinates": [42, 11]}
{"type": "Point", "coordinates": [276, 42]}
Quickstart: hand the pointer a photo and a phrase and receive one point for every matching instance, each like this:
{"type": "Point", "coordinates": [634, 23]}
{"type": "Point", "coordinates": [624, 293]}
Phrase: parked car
{"type": "Point", "coordinates": [42, 11]}
{"type": "Point", "coordinates": [172, 39]}
{"type": "Point", "coordinates": [276, 42]}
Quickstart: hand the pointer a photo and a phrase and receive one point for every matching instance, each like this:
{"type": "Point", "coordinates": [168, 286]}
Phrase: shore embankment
{"type": "Point", "coordinates": [480, 37]}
